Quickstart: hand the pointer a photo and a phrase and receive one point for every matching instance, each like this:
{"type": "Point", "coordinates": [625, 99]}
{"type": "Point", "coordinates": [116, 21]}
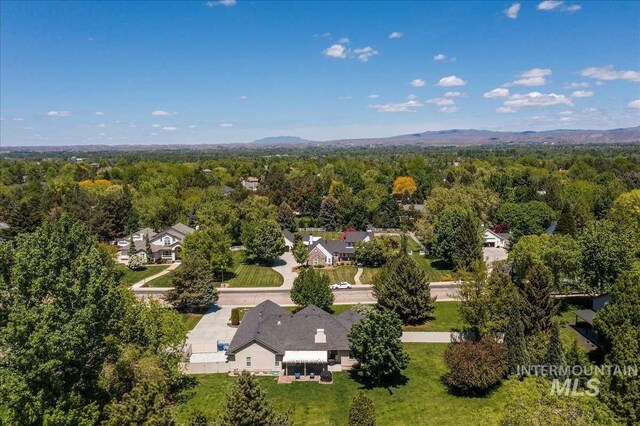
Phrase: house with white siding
{"type": "Point", "coordinates": [165, 245]}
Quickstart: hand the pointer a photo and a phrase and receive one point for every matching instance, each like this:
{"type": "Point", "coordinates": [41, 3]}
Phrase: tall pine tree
{"type": "Point", "coordinates": [555, 351]}
{"type": "Point", "coordinates": [538, 307]}
{"type": "Point", "coordinates": [514, 340]}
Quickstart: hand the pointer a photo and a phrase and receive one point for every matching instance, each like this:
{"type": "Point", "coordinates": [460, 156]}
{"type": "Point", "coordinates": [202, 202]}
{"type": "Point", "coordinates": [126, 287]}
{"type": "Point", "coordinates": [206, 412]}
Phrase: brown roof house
{"type": "Point", "coordinates": [251, 183]}
{"type": "Point", "coordinates": [271, 340]}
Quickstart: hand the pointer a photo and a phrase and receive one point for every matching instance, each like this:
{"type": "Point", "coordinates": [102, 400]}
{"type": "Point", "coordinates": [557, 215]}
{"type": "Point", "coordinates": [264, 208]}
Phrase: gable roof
{"type": "Point", "coordinates": [357, 236]}
{"type": "Point", "coordinates": [182, 228]}
{"type": "Point", "coordinates": [288, 235]}
{"type": "Point", "coordinates": [333, 246]}
{"type": "Point", "coordinates": [278, 329]}
{"type": "Point", "coordinates": [501, 235]}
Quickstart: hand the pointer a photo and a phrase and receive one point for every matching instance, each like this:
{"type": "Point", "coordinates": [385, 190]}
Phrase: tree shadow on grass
{"type": "Point", "coordinates": [388, 383]}
{"type": "Point", "coordinates": [471, 393]}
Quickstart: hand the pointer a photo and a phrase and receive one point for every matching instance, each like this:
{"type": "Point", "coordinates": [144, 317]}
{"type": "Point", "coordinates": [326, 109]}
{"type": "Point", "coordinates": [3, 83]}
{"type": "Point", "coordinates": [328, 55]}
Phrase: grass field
{"type": "Point", "coordinates": [434, 268]}
{"type": "Point", "coordinates": [190, 320]}
{"type": "Point", "coordinates": [367, 275]}
{"type": "Point", "coordinates": [252, 275]}
{"type": "Point", "coordinates": [130, 277]}
{"type": "Point", "coordinates": [163, 281]}
{"type": "Point", "coordinates": [423, 400]}
{"type": "Point", "coordinates": [341, 273]}
{"type": "Point", "coordinates": [446, 318]}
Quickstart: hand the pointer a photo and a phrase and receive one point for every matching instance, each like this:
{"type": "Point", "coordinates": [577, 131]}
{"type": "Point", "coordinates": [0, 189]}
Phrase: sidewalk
{"type": "Point", "coordinates": [140, 284]}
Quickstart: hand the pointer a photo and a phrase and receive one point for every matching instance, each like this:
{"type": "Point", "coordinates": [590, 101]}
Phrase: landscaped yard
{"type": "Point", "coordinates": [423, 400]}
{"type": "Point", "coordinates": [446, 318]}
{"type": "Point", "coordinates": [339, 274]}
{"type": "Point", "coordinates": [367, 275]}
{"type": "Point", "coordinates": [253, 275]}
{"type": "Point", "coordinates": [163, 281]}
{"type": "Point", "coordinates": [434, 268]}
{"type": "Point", "coordinates": [130, 277]}
{"type": "Point", "coordinates": [191, 320]}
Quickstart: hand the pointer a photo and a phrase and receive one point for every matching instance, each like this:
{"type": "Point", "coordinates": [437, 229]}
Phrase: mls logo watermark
{"type": "Point", "coordinates": [569, 380]}
{"type": "Point", "coordinates": [571, 387]}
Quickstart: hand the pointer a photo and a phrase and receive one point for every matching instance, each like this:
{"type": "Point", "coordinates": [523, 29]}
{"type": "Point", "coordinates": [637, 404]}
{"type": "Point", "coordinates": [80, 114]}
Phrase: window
{"type": "Point", "coordinates": [166, 253]}
{"type": "Point", "coordinates": [315, 261]}
{"type": "Point", "coordinates": [277, 361]}
{"type": "Point", "coordinates": [248, 361]}
{"type": "Point", "coordinates": [166, 241]}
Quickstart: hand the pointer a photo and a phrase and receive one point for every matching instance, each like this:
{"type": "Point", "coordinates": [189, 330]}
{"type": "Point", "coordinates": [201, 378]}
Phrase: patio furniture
{"type": "Point", "coordinates": [312, 375]}
{"type": "Point", "coordinates": [297, 375]}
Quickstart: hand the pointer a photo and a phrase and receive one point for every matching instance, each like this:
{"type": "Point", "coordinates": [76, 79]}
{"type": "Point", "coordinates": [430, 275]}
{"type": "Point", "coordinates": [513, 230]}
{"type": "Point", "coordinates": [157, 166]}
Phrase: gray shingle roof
{"type": "Point", "coordinates": [356, 236]}
{"type": "Point", "coordinates": [288, 235]}
{"type": "Point", "coordinates": [182, 228]}
{"type": "Point", "coordinates": [278, 329]}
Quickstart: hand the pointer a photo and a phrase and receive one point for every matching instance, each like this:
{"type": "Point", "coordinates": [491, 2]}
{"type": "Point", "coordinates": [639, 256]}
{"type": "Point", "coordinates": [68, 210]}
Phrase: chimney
{"type": "Point", "coordinates": [320, 336]}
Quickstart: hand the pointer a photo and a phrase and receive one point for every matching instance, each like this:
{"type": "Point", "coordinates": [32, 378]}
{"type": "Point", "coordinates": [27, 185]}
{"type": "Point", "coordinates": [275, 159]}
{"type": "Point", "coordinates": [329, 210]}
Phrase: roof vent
{"type": "Point", "coordinates": [279, 322]}
{"type": "Point", "coordinates": [320, 336]}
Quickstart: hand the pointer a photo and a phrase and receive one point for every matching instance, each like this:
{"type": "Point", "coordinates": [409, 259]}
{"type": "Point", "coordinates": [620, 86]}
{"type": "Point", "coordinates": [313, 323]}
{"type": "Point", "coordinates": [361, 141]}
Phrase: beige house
{"type": "Point", "coordinates": [273, 341]}
{"type": "Point", "coordinates": [166, 245]}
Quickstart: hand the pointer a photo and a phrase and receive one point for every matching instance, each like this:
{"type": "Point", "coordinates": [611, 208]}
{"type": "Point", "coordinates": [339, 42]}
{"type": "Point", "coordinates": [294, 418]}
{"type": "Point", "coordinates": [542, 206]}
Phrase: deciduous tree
{"type": "Point", "coordinates": [263, 241]}
{"type": "Point", "coordinates": [312, 288]}
{"type": "Point", "coordinates": [457, 237]}
{"type": "Point", "coordinates": [193, 285]}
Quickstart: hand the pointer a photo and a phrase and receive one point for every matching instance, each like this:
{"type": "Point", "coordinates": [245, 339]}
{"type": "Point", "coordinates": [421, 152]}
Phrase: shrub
{"type": "Point", "coordinates": [235, 316]}
{"type": "Point", "coordinates": [475, 368]}
{"type": "Point", "coordinates": [136, 262]}
{"type": "Point", "coordinates": [362, 412]}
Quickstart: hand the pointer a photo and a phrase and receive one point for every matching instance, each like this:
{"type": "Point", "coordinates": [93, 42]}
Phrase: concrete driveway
{"type": "Point", "coordinates": [284, 267]}
{"type": "Point", "coordinates": [492, 254]}
{"type": "Point", "coordinates": [211, 328]}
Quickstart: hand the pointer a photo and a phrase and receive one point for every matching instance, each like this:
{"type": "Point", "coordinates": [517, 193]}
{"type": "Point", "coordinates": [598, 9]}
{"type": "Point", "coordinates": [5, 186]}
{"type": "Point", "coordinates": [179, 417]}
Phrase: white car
{"type": "Point", "coordinates": [341, 285]}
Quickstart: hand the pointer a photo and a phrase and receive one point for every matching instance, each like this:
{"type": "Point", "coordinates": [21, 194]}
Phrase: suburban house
{"type": "Point", "coordinates": [495, 239]}
{"type": "Point", "coordinates": [251, 183]}
{"type": "Point", "coordinates": [271, 340]}
{"type": "Point", "coordinates": [166, 245]}
{"type": "Point", "coordinates": [416, 207]}
{"type": "Point", "coordinates": [585, 317]}
{"type": "Point", "coordinates": [333, 252]}
{"type": "Point", "coordinates": [289, 239]}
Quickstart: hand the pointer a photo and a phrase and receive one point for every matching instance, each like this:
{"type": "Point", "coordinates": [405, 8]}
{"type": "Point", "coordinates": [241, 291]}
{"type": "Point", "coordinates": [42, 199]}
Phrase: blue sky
{"type": "Point", "coordinates": [216, 72]}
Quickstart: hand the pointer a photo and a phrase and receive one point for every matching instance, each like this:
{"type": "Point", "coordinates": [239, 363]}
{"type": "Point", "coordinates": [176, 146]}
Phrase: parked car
{"type": "Point", "coordinates": [341, 286]}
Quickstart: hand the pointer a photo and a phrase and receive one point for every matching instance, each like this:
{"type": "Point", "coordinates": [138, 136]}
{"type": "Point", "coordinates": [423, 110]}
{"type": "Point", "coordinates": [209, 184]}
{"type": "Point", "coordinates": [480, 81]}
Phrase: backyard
{"type": "Point", "coordinates": [422, 400]}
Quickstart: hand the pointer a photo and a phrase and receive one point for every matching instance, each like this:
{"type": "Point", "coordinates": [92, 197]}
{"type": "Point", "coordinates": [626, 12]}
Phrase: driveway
{"type": "Point", "coordinates": [284, 267]}
{"type": "Point", "coordinates": [211, 328]}
{"type": "Point", "coordinates": [492, 254]}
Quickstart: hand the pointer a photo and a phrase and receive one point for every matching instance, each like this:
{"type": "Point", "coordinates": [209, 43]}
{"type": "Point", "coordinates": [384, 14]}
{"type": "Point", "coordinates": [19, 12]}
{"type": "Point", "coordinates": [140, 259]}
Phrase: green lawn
{"type": "Point", "coordinates": [446, 318]}
{"type": "Point", "coordinates": [422, 400]}
{"type": "Point", "coordinates": [163, 281]}
{"type": "Point", "coordinates": [130, 277]}
{"type": "Point", "coordinates": [435, 269]}
{"type": "Point", "coordinates": [367, 275]}
{"type": "Point", "coordinates": [190, 320]}
{"type": "Point", "coordinates": [341, 273]}
{"type": "Point", "coordinates": [252, 275]}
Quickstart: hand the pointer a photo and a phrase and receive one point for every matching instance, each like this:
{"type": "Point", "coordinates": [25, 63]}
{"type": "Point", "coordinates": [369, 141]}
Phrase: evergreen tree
{"type": "Point", "coordinates": [312, 288]}
{"type": "Point", "coordinates": [388, 213]}
{"type": "Point", "coordinates": [300, 252]}
{"type": "Point", "coordinates": [375, 342]}
{"type": "Point", "coordinates": [457, 237]}
{"type": "Point", "coordinates": [515, 341]}
{"type": "Point", "coordinates": [555, 350]}
{"type": "Point", "coordinates": [193, 285]}
{"type": "Point", "coordinates": [362, 411]}
{"type": "Point", "coordinates": [286, 217]}
{"type": "Point", "coordinates": [474, 297]}
{"type": "Point", "coordinates": [132, 247]}
{"type": "Point", "coordinates": [538, 307]}
{"type": "Point", "coordinates": [247, 405]}
{"type": "Point", "coordinates": [329, 216]}
{"type": "Point", "coordinates": [147, 249]}
{"type": "Point", "coordinates": [402, 287]}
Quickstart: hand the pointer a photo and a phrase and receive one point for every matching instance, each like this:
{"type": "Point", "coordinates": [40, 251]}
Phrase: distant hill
{"type": "Point", "coordinates": [277, 140]}
{"type": "Point", "coordinates": [453, 137]}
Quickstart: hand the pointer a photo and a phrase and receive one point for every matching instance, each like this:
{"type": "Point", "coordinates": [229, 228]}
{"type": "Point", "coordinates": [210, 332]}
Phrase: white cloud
{"type": "Point", "coordinates": [441, 101]}
{"type": "Point", "coordinates": [243, 97]}
{"type": "Point", "coordinates": [582, 94]}
{"type": "Point", "coordinates": [599, 83]}
{"type": "Point", "coordinates": [439, 57]}
{"type": "Point", "coordinates": [566, 113]}
{"type": "Point", "coordinates": [558, 5]}
{"type": "Point", "coordinates": [99, 113]}
{"type": "Point", "coordinates": [408, 106]}
{"type": "Point", "coordinates": [18, 119]}
{"type": "Point", "coordinates": [532, 77]}
{"type": "Point", "coordinates": [226, 124]}
{"type": "Point", "coordinates": [449, 109]}
{"type": "Point", "coordinates": [344, 98]}
{"type": "Point", "coordinates": [451, 80]}
{"type": "Point", "coordinates": [412, 96]}
{"type": "Point", "coordinates": [59, 113]}
{"type": "Point", "coordinates": [395, 34]}
{"type": "Point", "coordinates": [169, 129]}
{"type": "Point", "coordinates": [160, 113]}
{"type": "Point", "coordinates": [365, 53]}
{"type": "Point", "coordinates": [155, 125]}
{"type": "Point", "coordinates": [634, 104]}
{"type": "Point", "coordinates": [373, 96]}
{"type": "Point", "coordinates": [505, 110]}
{"type": "Point", "coordinates": [192, 126]}
{"type": "Point", "coordinates": [496, 93]}
{"type": "Point", "coordinates": [574, 85]}
{"type": "Point", "coordinates": [101, 125]}
{"type": "Point", "coordinates": [418, 82]}
{"type": "Point", "coordinates": [335, 51]}
{"type": "Point", "coordinates": [536, 99]}
{"type": "Point", "coordinates": [226, 3]}
{"type": "Point", "coordinates": [512, 11]}
{"type": "Point", "coordinates": [454, 94]}
{"type": "Point", "coordinates": [609, 73]}
{"type": "Point", "coordinates": [344, 40]}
